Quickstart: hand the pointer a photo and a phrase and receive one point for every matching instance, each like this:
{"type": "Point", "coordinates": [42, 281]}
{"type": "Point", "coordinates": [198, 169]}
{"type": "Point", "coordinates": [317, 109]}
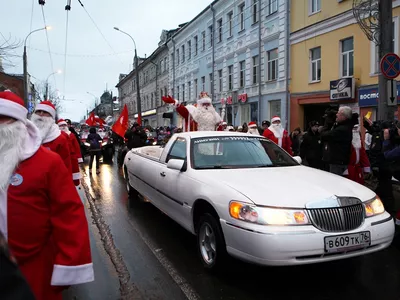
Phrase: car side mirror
{"type": "Point", "coordinates": [176, 164]}
{"type": "Point", "coordinates": [298, 159]}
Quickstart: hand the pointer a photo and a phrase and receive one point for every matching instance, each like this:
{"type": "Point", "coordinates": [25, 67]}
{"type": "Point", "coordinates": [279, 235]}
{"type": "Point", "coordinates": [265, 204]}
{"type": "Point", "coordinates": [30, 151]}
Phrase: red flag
{"type": "Point", "coordinates": [91, 120]}
{"type": "Point", "coordinates": [121, 126]}
{"type": "Point", "coordinates": [139, 119]}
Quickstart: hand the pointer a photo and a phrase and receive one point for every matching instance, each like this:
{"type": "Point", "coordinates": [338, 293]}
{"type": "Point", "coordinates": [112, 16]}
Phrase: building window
{"type": "Point", "coordinates": [165, 65]}
{"type": "Point", "coordinates": [274, 108]}
{"type": "Point", "coordinates": [210, 76]}
{"type": "Point", "coordinates": [346, 57]}
{"type": "Point", "coordinates": [241, 17]}
{"type": "Point", "coordinates": [203, 37]}
{"type": "Point", "coordinates": [230, 24]}
{"type": "Point", "coordinates": [152, 100]}
{"type": "Point", "coordinates": [189, 50]}
{"type": "Point", "coordinates": [183, 53]}
{"type": "Point", "coordinates": [219, 30]}
{"type": "Point", "coordinates": [314, 5]}
{"type": "Point", "coordinates": [315, 64]}
{"type": "Point", "coordinates": [177, 92]}
{"type": "Point", "coordinates": [177, 56]}
{"type": "Point", "coordinates": [220, 80]}
{"type": "Point", "coordinates": [183, 92]}
{"type": "Point", "coordinates": [242, 70]}
{"type": "Point", "coordinates": [196, 45]}
{"type": "Point", "coordinates": [255, 69]}
{"type": "Point", "coordinates": [376, 59]}
{"type": "Point", "coordinates": [189, 90]}
{"type": "Point", "coordinates": [211, 31]}
{"type": "Point", "coordinates": [272, 6]}
{"type": "Point", "coordinates": [272, 66]}
{"type": "Point", "coordinates": [255, 11]}
{"type": "Point", "coordinates": [196, 88]}
{"type": "Point", "coordinates": [230, 77]}
{"type": "Point", "coordinates": [165, 91]}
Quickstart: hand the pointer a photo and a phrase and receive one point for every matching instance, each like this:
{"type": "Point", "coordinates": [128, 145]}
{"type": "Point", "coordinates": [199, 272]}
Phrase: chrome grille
{"type": "Point", "coordinates": [337, 219]}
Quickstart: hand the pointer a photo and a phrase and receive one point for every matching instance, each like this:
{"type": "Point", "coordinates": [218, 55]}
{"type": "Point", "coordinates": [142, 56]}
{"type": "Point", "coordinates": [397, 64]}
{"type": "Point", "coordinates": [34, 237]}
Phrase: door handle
{"type": "Point", "coordinates": [162, 174]}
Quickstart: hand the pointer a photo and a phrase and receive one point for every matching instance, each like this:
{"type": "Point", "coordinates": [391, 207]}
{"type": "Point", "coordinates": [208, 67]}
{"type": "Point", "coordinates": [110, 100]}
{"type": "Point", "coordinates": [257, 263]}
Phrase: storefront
{"type": "Point", "coordinates": [149, 117]}
{"type": "Point", "coordinates": [308, 107]}
{"type": "Point", "coordinates": [239, 108]}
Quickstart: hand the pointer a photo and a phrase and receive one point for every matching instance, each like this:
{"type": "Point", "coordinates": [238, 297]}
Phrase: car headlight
{"type": "Point", "coordinates": [374, 207]}
{"type": "Point", "coordinates": [154, 143]}
{"type": "Point", "coordinates": [266, 215]}
{"type": "Point", "coordinates": [87, 144]}
{"type": "Point", "coordinates": [104, 143]}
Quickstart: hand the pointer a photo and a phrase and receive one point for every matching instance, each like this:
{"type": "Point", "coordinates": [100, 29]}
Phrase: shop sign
{"type": "Point", "coordinates": [369, 96]}
{"type": "Point", "coordinates": [342, 89]}
{"type": "Point", "coordinates": [229, 100]}
{"type": "Point", "coordinates": [242, 97]}
{"type": "Point", "coordinates": [147, 113]}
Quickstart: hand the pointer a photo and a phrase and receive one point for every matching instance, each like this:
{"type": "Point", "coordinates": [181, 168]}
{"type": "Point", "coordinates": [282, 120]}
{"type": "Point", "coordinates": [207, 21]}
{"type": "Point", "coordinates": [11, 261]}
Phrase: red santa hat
{"type": "Point", "coordinates": [204, 99]}
{"type": "Point", "coordinates": [252, 124]}
{"type": "Point", "coordinates": [12, 106]}
{"type": "Point", "coordinates": [62, 122]}
{"type": "Point", "coordinates": [47, 106]}
{"type": "Point", "coordinates": [275, 118]}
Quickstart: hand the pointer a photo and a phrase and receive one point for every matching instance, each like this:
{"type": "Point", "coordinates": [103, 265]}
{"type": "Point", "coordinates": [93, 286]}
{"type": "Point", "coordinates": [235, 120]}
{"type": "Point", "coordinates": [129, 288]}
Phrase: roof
{"type": "Point", "coordinates": [200, 134]}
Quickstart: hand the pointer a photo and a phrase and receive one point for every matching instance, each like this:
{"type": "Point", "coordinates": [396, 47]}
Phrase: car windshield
{"type": "Point", "coordinates": [235, 152]}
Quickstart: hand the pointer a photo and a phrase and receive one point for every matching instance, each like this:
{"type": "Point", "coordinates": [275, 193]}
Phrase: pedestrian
{"type": "Point", "coordinates": [311, 147]}
{"type": "Point", "coordinates": [94, 140]}
{"type": "Point", "coordinates": [276, 133]}
{"type": "Point", "coordinates": [52, 137]}
{"type": "Point", "coordinates": [252, 128]}
{"type": "Point", "coordinates": [295, 138]}
{"type": "Point", "coordinates": [41, 214]}
{"type": "Point", "coordinates": [337, 142]}
{"type": "Point", "coordinates": [136, 136]}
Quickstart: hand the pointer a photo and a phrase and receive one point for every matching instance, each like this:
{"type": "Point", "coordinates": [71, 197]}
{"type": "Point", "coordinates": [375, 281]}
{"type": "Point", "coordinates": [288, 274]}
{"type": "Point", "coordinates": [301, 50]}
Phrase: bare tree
{"type": "Point", "coordinates": [52, 95]}
{"type": "Point", "coordinates": [7, 51]}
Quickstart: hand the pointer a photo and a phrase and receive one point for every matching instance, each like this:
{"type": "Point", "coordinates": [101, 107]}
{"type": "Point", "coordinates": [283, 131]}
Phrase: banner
{"type": "Point", "coordinates": [121, 126]}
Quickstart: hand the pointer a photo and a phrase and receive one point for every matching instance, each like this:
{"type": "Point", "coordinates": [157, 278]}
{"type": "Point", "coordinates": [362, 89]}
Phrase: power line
{"type": "Point", "coordinates": [109, 45]}
{"type": "Point", "coordinates": [48, 46]}
{"type": "Point", "coordinates": [67, 8]}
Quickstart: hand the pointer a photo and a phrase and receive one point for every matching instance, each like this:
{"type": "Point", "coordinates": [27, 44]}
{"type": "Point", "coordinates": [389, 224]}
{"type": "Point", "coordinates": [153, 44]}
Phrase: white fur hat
{"type": "Point", "coordinates": [204, 99]}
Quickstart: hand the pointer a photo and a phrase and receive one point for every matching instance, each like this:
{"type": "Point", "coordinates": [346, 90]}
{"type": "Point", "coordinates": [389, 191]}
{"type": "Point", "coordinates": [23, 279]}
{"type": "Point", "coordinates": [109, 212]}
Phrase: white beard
{"type": "Point", "coordinates": [253, 131]}
{"type": "Point", "coordinates": [43, 124]}
{"type": "Point", "coordinates": [12, 137]}
{"type": "Point", "coordinates": [65, 129]}
{"type": "Point", "coordinates": [277, 130]}
{"type": "Point", "coordinates": [206, 118]}
{"type": "Point", "coordinates": [356, 142]}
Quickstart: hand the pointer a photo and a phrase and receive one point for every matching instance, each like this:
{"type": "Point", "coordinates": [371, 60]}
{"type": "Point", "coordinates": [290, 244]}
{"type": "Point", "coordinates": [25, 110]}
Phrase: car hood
{"type": "Point", "coordinates": [288, 186]}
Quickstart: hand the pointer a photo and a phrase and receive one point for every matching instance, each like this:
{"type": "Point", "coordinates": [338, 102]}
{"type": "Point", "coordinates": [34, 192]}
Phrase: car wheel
{"type": "Point", "coordinates": [211, 243]}
{"type": "Point", "coordinates": [133, 194]}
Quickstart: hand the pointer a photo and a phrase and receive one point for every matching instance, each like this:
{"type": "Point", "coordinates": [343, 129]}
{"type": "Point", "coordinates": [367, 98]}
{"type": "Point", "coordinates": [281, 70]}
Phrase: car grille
{"type": "Point", "coordinates": [337, 219]}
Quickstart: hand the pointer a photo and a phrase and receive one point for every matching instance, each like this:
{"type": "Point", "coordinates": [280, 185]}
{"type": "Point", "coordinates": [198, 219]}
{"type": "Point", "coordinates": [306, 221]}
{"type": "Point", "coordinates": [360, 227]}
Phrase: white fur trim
{"type": "Point", "coordinates": [69, 275]}
{"type": "Point", "coordinates": [62, 123]}
{"type": "Point", "coordinates": [80, 160]}
{"type": "Point", "coordinates": [252, 126]}
{"type": "Point", "coordinates": [397, 222]}
{"type": "Point", "coordinates": [346, 172]}
{"type": "Point", "coordinates": [76, 176]}
{"type": "Point", "coordinates": [46, 108]}
{"type": "Point", "coordinates": [367, 170]}
{"type": "Point", "coordinates": [13, 110]}
{"type": "Point", "coordinates": [54, 132]}
{"type": "Point", "coordinates": [204, 100]}
{"type": "Point", "coordinates": [275, 119]}
{"type": "Point", "coordinates": [3, 213]}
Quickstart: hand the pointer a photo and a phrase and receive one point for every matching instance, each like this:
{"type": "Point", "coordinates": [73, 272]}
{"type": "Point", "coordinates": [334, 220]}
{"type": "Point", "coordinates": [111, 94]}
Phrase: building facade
{"type": "Point", "coordinates": [235, 51]}
{"type": "Point", "coordinates": [332, 61]}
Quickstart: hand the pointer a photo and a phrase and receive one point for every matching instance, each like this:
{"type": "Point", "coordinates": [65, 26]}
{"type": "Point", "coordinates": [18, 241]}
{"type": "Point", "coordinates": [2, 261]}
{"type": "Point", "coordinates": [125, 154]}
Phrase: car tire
{"type": "Point", "coordinates": [132, 193]}
{"type": "Point", "coordinates": [211, 245]}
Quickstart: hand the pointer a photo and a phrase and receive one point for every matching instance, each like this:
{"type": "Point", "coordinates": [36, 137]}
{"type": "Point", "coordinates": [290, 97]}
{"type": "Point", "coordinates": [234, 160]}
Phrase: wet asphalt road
{"type": "Point", "coordinates": [139, 253]}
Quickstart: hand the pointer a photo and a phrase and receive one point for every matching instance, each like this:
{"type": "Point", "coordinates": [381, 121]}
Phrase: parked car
{"type": "Point", "coordinates": [243, 195]}
{"type": "Point", "coordinates": [107, 145]}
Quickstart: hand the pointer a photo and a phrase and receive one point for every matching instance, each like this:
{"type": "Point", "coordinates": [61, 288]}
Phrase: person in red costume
{"type": "Point", "coordinates": [276, 133]}
{"type": "Point", "coordinates": [359, 162]}
{"type": "Point", "coordinates": [76, 156]}
{"type": "Point", "coordinates": [253, 128]}
{"type": "Point", "coordinates": [202, 116]}
{"type": "Point", "coordinates": [52, 137]}
{"type": "Point", "coordinates": [41, 214]}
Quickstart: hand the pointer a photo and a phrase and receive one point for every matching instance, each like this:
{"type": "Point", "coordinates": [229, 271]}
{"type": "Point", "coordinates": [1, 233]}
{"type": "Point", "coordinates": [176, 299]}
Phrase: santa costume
{"type": "Point", "coordinates": [201, 117]}
{"type": "Point", "coordinates": [359, 162]}
{"type": "Point", "coordinates": [52, 137]}
{"type": "Point", "coordinates": [41, 214]}
{"type": "Point", "coordinates": [280, 136]}
{"type": "Point", "coordinates": [253, 128]}
{"type": "Point", "coordinates": [76, 156]}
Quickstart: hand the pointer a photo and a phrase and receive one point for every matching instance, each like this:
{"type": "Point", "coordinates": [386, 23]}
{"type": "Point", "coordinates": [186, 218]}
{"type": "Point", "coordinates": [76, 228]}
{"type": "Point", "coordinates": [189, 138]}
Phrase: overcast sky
{"type": "Point", "coordinates": [92, 64]}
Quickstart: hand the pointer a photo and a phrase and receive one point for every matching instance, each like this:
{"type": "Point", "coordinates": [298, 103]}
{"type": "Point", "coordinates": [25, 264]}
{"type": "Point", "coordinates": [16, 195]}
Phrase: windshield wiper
{"type": "Point", "coordinates": [213, 167]}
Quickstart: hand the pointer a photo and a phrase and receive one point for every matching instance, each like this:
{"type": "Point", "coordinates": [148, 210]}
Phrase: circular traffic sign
{"type": "Point", "coordinates": [390, 65]}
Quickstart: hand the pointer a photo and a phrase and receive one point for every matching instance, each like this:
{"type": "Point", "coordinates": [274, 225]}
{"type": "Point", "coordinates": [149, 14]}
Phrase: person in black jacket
{"type": "Point", "coordinates": [311, 147]}
{"type": "Point", "coordinates": [136, 136]}
{"type": "Point", "coordinates": [13, 285]}
{"type": "Point", "coordinates": [337, 141]}
{"type": "Point", "coordinates": [94, 139]}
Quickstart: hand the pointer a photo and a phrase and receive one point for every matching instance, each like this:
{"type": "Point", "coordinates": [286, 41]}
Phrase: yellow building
{"type": "Point", "coordinates": [331, 60]}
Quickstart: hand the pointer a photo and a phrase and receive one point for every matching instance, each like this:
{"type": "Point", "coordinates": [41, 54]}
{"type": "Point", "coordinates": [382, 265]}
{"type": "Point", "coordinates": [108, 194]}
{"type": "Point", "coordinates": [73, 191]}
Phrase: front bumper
{"type": "Point", "coordinates": [289, 245]}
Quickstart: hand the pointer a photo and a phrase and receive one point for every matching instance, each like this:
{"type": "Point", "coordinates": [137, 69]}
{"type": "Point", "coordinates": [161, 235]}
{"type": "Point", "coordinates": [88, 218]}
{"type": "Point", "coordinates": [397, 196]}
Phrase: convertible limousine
{"type": "Point", "coordinates": [243, 195]}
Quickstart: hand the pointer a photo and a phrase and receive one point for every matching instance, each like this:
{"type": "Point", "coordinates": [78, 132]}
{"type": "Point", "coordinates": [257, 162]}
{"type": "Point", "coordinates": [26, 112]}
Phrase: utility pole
{"type": "Point", "coordinates": [26, 78]}
{"type": "Point", "coordinates": [385, 112]}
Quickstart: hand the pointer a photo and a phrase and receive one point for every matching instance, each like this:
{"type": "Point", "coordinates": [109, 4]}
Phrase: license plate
{"type": "Point", "coordinates": [347, 242]}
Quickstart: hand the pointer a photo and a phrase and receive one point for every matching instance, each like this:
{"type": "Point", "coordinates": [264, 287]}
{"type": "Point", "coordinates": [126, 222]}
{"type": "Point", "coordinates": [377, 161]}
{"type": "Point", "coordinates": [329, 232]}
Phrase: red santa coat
{"type": "Point", "coordinates": [75, 153]}
{"type": "Point", "coordinates": [58, 141]}
{"type": "Point", "coordinates": [44, 220]}
{"type": "Point", "coordinates": [359, 164]}
{"type": "Point", "coordinates": [285, 143]}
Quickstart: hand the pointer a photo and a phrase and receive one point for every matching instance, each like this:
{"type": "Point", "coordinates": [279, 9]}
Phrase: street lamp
{"type": "Point", "coordinates": [95, 101]}
{"type": "Point", "coordinates": [139, 102]}
{"type": "Point", "coordinates": [46, 97]}
{"type": "Point", "coordinates": [25, 59]}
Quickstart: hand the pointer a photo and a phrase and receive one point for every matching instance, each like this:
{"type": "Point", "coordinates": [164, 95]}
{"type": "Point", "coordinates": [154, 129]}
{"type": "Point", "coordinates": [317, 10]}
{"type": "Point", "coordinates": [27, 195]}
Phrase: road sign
{"type": "Point", "coordinates": [392, 92]}
{"type": "Point", "coordinates": [390, 65]}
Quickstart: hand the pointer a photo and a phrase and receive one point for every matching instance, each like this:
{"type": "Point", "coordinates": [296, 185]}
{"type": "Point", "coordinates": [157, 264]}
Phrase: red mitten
{"type": "Point", "coordinates": [168, 99]}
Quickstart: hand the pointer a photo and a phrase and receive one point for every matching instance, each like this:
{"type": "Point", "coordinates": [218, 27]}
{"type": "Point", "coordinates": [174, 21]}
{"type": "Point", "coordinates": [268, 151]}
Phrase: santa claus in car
{"type": "Point", "coordinates": [359, 162]}
{"type": "Point", "coordinates": [201, 117]}
{"type": "Point", "coordinates": [276, 133]}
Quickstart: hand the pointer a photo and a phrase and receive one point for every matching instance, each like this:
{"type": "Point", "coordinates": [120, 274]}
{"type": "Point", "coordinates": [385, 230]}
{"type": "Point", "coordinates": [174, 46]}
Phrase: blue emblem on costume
{"type": "Point", "coordinates": [16, 180]}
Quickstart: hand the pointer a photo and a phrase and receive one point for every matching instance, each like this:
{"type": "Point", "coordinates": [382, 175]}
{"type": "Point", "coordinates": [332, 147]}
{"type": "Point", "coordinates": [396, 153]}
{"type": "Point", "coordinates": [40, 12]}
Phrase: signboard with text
{"type": "Point", "coordinates": [369, 96]}
{"type": "Point", "coordinates": [342, 89]}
